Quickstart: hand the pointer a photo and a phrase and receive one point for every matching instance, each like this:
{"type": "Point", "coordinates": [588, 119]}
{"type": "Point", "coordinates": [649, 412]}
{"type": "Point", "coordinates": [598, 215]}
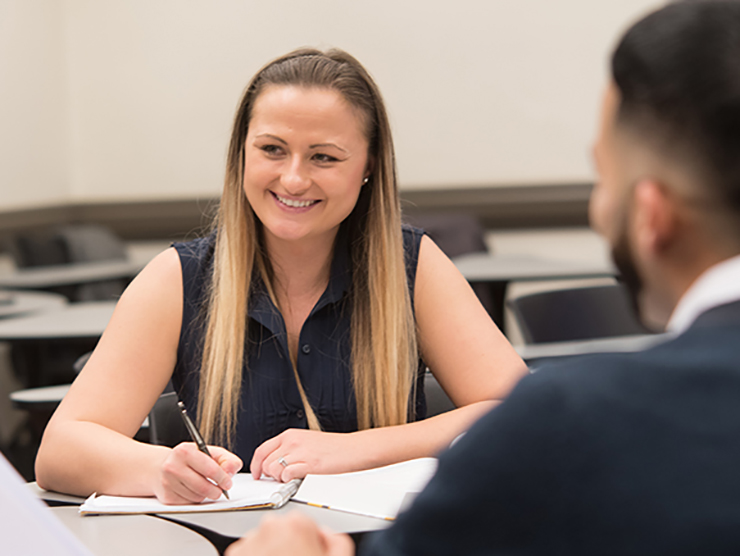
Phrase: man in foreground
{"type": "Point", "coordinates": [630, 453]}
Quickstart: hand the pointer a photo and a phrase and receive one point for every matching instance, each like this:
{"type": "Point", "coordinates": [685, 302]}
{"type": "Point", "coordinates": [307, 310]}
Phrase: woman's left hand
{"type": "Point", "coordinates": [296, 452]}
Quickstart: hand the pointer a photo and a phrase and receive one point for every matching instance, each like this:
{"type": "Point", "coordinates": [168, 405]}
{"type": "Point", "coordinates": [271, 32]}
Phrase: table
{"type": "Point", "coordinates": [498, 271]}
{"type": "Point", "coordinates": [45, 398]}
{"type": "Point", "coordinates": [72, 274]}
{"type": "Point", "coordinates": [223, 524]}
{"type": "Point", "coordinates": [48, 343]}
{"type": "Point", "coordinates": [235, 524]}
{"type": "Point", "coordinates": [74, 320]}
{"type": "Point", "coordinates": [532, 352]}
{"type": "Point", "coordinates": [15, 303]}
{"type": "Point", "coordinates": [125, 535]}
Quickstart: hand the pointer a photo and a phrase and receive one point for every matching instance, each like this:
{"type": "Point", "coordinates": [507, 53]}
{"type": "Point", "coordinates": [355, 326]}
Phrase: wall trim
{"type": "Point", "coordinates": [535, 206]}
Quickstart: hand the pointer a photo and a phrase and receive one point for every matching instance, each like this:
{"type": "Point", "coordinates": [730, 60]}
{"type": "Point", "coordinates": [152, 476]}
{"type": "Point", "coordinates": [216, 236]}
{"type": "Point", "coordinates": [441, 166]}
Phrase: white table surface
{"type": "Point", "coordinates": [489, 267]}
{"type": "Point", "coordinates": [70, 274]}
{"type": "Point", "coordinates": [42, 395]}
{"type": "Point", "coordinates": [15, 303]}
{"type": "Point", "coordinates": [133, 535]}
{"type": "Point", "coordinates": [74, 320]}
{"type": "Point", "coordinates": [235, 524]}
{"type": "Point", "coordinates": [599, 345]}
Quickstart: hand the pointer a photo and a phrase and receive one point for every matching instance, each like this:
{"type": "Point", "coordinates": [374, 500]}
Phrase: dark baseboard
{"type": "Point", "coordinates": [497, 208]}
{"type": "Point", "coordinates": [535, 206]}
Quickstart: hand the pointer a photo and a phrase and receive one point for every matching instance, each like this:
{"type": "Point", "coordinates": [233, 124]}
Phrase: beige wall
{"type": "Point", "coordinates": [481, 93]}
{"type": "Point", "coordinates": [34, 132]}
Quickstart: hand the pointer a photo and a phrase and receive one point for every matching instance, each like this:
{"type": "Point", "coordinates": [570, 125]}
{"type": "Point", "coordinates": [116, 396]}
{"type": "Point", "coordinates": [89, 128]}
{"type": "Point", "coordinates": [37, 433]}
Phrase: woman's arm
{"type": "Point", "coordinates": [467, 353]}
{"type": "Point", "coordinates": [88, 445]}
{"type": "Point", "coordinates": [470, 357]}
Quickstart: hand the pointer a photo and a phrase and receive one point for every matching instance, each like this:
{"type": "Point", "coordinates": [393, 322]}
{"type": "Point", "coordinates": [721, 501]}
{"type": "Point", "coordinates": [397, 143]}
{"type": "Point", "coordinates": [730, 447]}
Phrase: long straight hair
{"type": "Point", "coordinates": [383, 333]}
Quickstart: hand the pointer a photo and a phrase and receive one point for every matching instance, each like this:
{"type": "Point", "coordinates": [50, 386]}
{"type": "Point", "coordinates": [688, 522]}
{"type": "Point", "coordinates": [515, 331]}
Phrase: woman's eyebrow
{"type": "Point", "coordinates": [319, 145]}
{"type": "Point", "coordinates": [270, 136]}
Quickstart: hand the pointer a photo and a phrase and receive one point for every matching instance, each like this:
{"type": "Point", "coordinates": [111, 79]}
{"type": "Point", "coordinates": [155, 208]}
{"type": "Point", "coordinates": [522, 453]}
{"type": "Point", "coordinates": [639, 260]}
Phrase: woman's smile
{"type": "Point", "coordinates": [294, 205]}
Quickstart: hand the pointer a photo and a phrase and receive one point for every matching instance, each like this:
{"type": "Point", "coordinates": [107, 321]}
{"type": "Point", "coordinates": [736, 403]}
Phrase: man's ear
{"type": "Point", "coordinates": [655, 217]}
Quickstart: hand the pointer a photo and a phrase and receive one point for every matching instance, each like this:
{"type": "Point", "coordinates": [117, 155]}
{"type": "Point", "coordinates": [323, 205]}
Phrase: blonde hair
{"type": "Point", "coordinates": [383, 334]}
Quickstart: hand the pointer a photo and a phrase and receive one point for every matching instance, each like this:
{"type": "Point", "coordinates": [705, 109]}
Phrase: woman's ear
{"type": "Point", "coordinates": [369, 167]}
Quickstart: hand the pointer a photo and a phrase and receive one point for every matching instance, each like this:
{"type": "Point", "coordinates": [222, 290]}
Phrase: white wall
{"type": "Point", "coordinates": [34, 133]}
{"type": "Point", "coordinates": [481, 92]}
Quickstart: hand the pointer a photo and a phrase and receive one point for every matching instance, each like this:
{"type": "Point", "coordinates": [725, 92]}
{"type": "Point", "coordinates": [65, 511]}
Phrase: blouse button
{"type": "Point", "coordinates": [299, 414]}
{"type": "Point", "coordinates": [306, 349]}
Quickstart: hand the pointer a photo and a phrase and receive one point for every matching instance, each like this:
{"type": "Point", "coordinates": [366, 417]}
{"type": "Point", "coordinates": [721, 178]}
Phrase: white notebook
{"type": "Point", "coordinates": [246, 493]}
{"type": "Point", "coordinates": [376, 492]}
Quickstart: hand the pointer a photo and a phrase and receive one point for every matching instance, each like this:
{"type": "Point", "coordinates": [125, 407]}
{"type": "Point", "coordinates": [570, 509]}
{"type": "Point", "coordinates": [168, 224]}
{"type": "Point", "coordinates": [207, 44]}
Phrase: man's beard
{"type": "Point", "coordinates": [628, 275]}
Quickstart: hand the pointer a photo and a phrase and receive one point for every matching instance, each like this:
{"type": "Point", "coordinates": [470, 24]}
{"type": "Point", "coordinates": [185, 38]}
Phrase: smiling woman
{"type": "Point", "coordinates": [306, 156]}
{"type": "Point", "coordinates": [299, 329]}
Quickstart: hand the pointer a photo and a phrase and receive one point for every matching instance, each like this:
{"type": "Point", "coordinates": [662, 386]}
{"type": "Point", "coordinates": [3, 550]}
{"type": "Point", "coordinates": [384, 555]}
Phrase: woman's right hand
{"type": "Point", "coordinates": [188, 476]}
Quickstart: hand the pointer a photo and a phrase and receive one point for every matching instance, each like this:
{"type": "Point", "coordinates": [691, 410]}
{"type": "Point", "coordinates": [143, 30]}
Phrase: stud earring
{"type": "Point", "coordinates": [365, 180]}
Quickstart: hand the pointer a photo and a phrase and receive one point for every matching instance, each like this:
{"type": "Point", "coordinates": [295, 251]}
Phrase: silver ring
{"type": "Point", "coordinates": [282, 462]}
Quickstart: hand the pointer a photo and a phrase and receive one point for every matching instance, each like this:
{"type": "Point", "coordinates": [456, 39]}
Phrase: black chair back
{"type": "Point", "coordinates": [576, 314]}
{"type": "Point", "coordinates": [166, 427]}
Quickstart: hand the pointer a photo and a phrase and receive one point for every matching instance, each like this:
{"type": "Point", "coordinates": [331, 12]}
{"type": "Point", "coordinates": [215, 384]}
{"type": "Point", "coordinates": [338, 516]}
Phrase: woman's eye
{"type": "Point", "coordinates": [320, 157]}
{"type": "Point", "coordinates": [272, 150]}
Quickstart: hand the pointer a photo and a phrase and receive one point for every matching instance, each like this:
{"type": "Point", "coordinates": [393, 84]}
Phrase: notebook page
{"type": "Point", "coordinates": [246, 493]}
{"type": "Point", "coordinates": [376, 492]}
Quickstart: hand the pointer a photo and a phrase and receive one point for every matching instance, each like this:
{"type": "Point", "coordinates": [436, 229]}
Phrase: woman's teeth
{"type": "Point", "coordinates": [295, 204]}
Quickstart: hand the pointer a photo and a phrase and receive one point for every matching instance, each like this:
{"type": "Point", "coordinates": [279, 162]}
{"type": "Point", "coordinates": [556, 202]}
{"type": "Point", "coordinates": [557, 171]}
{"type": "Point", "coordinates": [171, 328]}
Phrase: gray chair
{"type": "Point", "coordinates": [437, 399]}
{"type": "Point", "coordinates": [576, 314]}
{"type": "Point", "coordinates": [91, 243]}
{"type": "Point", "coordinates": [457, 234]}
{"type": "Point", "coordinates": [166, 427]}
{"type": "Point", "coordinates": [67, 245]}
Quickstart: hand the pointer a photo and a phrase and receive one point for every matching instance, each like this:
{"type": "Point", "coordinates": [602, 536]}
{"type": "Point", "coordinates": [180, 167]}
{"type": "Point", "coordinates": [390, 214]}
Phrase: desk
{"type": "Point", "coordinates": [498, 271]}
{"type": "Point", "coordinates": [74, 320]}
{"type": "Point", "coordinates": [640, 342]}
{"type": "Point", "coordinates": [45, 399]}
{"type": "Point", "coordinates": [48, 343]}
{"type": "Point", "coordinates": [235, 524]}
{"type": "Point", "coordinates": [228, 524]}
{"type": "Point", "coordinates": [126, 535]}
{"type": "Point", "coordinates": [15, 303]}
{"type": "Point", "coordinates": [73, 274]}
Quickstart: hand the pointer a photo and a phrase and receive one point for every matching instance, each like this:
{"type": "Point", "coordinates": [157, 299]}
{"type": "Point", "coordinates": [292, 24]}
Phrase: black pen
{"type": "Point", "coordinates": [195, 435]}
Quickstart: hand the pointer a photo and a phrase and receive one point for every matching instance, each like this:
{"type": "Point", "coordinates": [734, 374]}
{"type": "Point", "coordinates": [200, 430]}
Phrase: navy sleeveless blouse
{"type": "Point", "coordinates": [270, 401]}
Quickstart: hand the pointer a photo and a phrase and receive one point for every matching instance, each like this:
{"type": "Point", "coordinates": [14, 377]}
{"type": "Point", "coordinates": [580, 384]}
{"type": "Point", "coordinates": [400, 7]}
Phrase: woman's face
{"type": "Point", "coordinates": [305, 158]}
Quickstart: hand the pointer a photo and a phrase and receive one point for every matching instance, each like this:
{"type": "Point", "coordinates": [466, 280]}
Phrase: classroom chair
{"type": "Point", "coordinates": [576, 314]}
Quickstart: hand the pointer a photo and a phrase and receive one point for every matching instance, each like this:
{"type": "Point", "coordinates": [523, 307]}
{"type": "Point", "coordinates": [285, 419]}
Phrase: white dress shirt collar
{"type": "Point", "coordinates": [718, 285]}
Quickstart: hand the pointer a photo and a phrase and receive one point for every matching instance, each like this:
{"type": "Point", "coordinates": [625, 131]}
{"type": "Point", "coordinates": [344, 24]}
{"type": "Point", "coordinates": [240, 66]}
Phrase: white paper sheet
{"type": "Point", "coordinates": [376, 492]}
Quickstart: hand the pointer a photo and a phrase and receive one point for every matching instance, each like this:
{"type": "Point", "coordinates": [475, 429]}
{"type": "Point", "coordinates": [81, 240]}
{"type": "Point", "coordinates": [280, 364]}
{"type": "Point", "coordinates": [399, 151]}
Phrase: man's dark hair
{"type": "Point", "coordinates": [678, 73]}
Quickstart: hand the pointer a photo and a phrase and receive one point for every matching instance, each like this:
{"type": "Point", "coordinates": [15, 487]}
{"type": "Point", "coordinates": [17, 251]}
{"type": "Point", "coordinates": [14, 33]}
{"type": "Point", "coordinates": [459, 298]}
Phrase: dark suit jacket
{"type": "Point", "coordinates": [605, 454]}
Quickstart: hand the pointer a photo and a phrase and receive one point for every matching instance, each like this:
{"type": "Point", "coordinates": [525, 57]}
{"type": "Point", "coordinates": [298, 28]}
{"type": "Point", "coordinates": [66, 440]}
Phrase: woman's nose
{"type": "Point", "coordinates": [294, 178]}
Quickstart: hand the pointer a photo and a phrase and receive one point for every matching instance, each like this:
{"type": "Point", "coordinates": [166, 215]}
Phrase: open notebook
{"type": "Point", "coordinates": [376, 493]}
